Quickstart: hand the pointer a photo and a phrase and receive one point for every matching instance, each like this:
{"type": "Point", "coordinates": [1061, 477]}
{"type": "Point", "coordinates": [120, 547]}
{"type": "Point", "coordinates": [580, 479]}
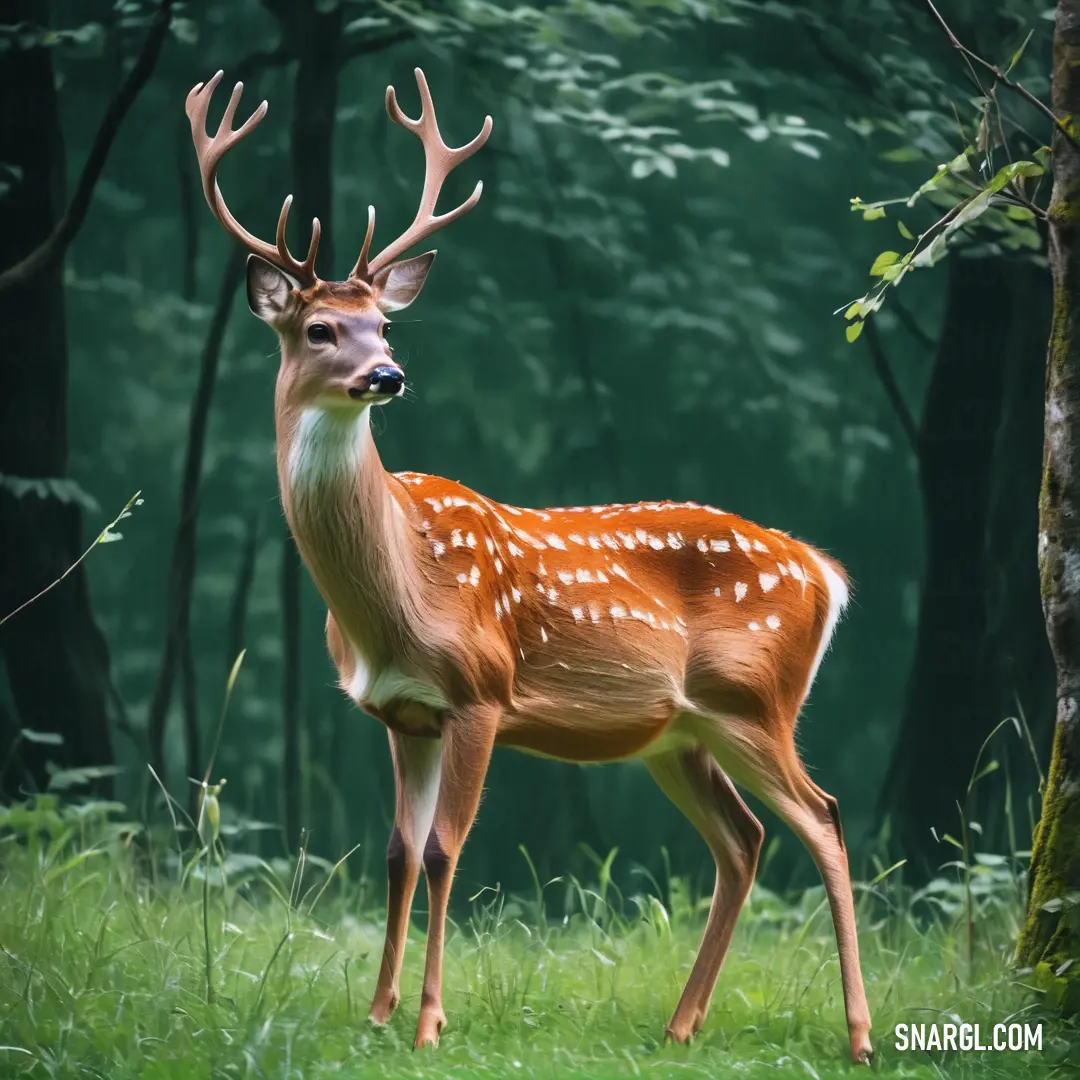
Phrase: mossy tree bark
{"type": "Point", "coordinates": [1050, 940]}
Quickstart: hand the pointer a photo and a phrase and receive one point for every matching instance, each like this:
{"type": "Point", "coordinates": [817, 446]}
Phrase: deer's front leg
{"type": "Point", "coordinates": [467, 741]}
{"type": "Point", "coordinates": [417, 767]}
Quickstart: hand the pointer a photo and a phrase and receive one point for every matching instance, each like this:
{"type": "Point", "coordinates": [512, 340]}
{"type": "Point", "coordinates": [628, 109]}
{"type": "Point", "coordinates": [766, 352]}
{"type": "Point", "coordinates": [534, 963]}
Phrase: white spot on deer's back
{"type": "Point", "coordinates": [772, 622]}
{"type": "Point", "coordinates": [740, 591]}
{"type": "Point", "coordinates": [767, 581]}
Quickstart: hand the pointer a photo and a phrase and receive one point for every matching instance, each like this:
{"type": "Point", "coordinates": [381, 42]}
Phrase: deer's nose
{"type": "Point", "coordinates": [385, 379]}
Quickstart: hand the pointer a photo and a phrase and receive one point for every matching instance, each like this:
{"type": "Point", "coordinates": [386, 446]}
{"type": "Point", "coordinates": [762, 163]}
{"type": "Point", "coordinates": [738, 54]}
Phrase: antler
{"type": "Point", "coordinates": [210, 151]}
{"type": "Point", "coordinates": [439, 161]}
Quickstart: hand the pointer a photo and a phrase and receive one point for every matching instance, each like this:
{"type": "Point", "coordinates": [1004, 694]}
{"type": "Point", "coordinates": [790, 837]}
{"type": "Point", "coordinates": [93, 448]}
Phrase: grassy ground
{"type": "Point", "coordinates": [104, 969]}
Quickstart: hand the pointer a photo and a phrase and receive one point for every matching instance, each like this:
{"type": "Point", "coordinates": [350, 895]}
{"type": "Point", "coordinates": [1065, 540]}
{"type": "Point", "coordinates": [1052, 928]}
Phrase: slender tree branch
{"type": "Point", "coordinates": [189, 704]}
{"type": "Point", "coordinates": [241, 593]}
{"type": "Point", "coordinates": [907, 321]}
{"type": "Point", "coordinates": [1001, 77]}
{"type": "Point", "coordinates": [885, 374]}
{"type": "Point", "coordinates": [64, 232]}
{"type": "Point", "coordinates": [103, 537]}
{"type": "Point", "coordinates": [182, 571]}
{"type": "Point", "coordinates": [189, 226]}
{"type": "Point", "coordinates": [373, 45]}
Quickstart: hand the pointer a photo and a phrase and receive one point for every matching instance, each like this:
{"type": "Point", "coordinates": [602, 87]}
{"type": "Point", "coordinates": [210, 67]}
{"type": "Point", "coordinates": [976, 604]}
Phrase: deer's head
{"type": "Point", "coordinates": [333, 333]}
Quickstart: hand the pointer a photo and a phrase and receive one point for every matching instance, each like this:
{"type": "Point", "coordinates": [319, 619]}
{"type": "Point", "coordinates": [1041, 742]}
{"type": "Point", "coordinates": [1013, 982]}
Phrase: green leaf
{"type": "Point", "coordinates": [872, 213]}
{"type": "Point", "coordinates": [905, 232]}
{"type": "Point", "coordinates": [1013, 171]}
{"type": "Point", "coordinates": [1019, 52]}
{"type": "Point", "coordinates": [853, 330]}
{"type": "Point", "coordinates": [901, 155]}
{"type": "Point", "coordinates": [883, 262]}
{"type": "Point", "coordinates": [1019, 213]}
{"type": "Point", "coordinates": [853, 310]}
{"type": "Point", "coordinates": [44, 738]}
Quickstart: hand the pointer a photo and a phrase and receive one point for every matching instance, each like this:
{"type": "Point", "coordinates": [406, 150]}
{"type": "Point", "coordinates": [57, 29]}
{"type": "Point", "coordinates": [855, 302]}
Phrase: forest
{"type": "Point", "coordinates": [810, 262]}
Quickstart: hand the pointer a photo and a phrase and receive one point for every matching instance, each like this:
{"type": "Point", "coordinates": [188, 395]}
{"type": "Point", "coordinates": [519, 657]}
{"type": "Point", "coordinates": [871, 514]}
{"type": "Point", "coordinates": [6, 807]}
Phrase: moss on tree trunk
{"type": "Point", "coordinates": [1050, 940]}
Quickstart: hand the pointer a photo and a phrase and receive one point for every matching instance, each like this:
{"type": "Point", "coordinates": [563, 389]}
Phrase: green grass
{"type": "Point", "coordinates": [103, 971]}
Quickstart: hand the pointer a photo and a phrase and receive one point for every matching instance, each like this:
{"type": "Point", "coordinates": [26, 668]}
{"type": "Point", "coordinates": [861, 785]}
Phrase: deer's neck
{"type": "Point", "coordinates": [352, 532]}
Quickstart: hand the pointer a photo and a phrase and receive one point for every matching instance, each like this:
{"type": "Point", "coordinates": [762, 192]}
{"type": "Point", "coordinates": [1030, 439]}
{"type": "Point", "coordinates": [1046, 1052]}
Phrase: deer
{"type": "Point", "coordinates": [671, 633]}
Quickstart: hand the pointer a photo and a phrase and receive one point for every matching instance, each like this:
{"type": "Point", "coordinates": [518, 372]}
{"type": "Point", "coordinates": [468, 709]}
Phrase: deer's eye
{"type": "Point", "coordinates": [319, 334]}
{"type": "Point", "coordinates": [386, 329]}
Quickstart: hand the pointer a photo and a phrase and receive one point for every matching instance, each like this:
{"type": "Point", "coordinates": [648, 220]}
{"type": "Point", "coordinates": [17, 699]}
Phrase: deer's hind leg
{"type": "Point", "coordinates": [698, 786]}
{"type": "Point", "coordinates": [763, 759]}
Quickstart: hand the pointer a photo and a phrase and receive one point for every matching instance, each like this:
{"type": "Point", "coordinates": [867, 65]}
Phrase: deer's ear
{"type": "Point", "coordinates": [400, 283]}
{"type": "Point", "coordinates": [268, 289]}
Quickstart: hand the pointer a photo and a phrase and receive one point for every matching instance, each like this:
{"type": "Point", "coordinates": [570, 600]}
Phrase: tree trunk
{"type": "Point", "coordinates": [55, 656]}
{"type": "Point", "coordinates": [1050, 940]}
{"type": "Point", "coordinates": [955, 691]}
{"type": "Point", "coordinates": [181, 585]}
{"type": "Point", "coordinates": [316, 37]}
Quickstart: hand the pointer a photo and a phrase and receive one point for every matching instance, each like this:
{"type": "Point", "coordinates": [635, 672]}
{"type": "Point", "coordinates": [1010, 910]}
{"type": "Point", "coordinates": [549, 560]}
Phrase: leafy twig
{"type": "Point", "coordinates": [106, 536]}
{"type": "Point", "coordinates": [1001, 77]}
